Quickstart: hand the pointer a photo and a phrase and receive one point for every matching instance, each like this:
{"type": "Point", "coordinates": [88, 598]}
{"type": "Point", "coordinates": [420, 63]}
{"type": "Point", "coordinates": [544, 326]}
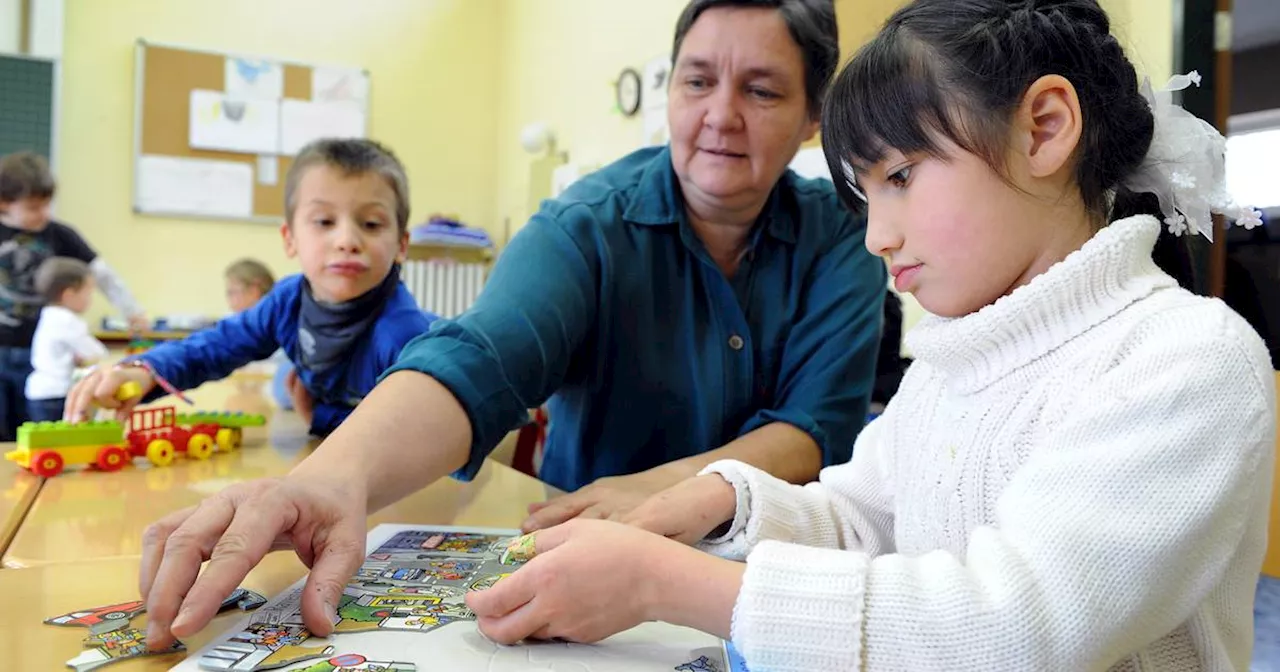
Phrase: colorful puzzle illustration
{"type": "Point", "coordinates": [111, 639]}
{"type": "Point", "coordinates": [405, 610]}
{"type": "Point", "coordinates": [111, 647]}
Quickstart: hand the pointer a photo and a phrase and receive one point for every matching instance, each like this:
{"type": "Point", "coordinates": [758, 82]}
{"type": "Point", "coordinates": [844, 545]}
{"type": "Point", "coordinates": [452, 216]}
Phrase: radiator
{"type": "Point", "coordinates": [443, 287]}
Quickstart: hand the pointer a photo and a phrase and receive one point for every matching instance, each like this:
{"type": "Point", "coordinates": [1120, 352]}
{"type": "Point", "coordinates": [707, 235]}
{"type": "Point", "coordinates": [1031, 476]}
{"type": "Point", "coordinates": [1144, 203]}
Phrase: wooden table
{"type": "Point", "coordinates": [97, 516]}
{"type": "Point", "coordinates": [18, 490]}
{"type": "Point", "coordinates": [89, 515]}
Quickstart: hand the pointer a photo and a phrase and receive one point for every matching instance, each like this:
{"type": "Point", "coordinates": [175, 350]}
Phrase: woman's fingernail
{"type": "Point", "coordinates": [330, 612]}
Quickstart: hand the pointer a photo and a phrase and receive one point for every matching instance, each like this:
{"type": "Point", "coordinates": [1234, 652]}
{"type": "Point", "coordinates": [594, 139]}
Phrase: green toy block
{"type": "Point", "coordinates": [223, 418]}
{"type": "Point", "coordinates": [61, 434]}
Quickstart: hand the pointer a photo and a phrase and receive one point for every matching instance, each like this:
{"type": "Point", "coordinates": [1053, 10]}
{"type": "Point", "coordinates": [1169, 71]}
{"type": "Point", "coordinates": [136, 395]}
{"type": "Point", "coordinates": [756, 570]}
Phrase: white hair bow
{"type": "Point", "coordinates": [1186, 166]}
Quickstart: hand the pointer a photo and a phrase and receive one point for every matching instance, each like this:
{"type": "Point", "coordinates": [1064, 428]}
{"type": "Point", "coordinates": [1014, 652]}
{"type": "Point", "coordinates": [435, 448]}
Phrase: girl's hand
{"type": "Point", "coordinates": [687, 511]}
{"type": "Point", "coordinates": [588, 580]}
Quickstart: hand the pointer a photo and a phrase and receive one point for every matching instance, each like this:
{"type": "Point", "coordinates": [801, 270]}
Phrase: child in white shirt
{"type": "Point", "coordinates": [1075, 473]}
{"type": "Point", "coordinates": [62, 340]}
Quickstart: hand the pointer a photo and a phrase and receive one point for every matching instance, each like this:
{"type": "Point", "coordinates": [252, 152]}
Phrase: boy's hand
{"type": "Point", "coordinates": [101, 388]}
{"type": "Point", "coordinates": [689, 510]}
{"type": "Point", "coordinates": [302, 402]}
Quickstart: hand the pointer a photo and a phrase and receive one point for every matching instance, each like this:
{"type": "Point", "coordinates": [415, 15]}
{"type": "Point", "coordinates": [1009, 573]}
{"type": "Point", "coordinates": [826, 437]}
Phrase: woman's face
{"type": "Point", "coordinates": [737, 107]}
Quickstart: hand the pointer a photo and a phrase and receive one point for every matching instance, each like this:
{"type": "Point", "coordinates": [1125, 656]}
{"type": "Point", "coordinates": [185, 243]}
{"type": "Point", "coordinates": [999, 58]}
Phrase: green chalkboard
{"type": "Point", "coordinates": [26, 105]}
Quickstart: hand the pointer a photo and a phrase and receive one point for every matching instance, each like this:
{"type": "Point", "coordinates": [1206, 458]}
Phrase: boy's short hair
{"type": "Point", "coordinates": [252, 273]}
{"type": "Point", "coordinates": [58, 274]}
{"type": "Point", "coordinates": [23, 175]}
{"type": "Point", "coordinates": [352, 156]}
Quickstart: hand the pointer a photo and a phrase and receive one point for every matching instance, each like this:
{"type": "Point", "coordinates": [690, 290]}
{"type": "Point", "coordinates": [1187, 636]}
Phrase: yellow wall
{"type": "Point", "coordinates": [561, 60]}
{"type": "Point", "coordinates": [432, 66]}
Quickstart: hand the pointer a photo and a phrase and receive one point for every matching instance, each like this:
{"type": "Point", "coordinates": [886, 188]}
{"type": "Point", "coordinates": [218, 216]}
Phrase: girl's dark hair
{"type": "Point", "coordinates": [958, 69]}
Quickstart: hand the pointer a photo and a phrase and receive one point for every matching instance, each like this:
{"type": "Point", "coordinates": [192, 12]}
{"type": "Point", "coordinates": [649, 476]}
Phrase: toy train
{"type": "Point", "coordinates": [46, 448]}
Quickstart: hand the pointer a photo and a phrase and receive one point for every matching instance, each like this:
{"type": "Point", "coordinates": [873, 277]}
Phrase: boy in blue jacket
{"type": "Point", "coordinates": [341, 322]}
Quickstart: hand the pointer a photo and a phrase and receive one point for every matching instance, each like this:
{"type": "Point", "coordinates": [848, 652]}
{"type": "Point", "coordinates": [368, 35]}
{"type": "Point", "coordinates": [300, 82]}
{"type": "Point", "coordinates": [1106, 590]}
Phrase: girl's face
{"type": "Point", "coordinates": [242, 296]}
{"type": "Point", "coordinates": [958, 236]}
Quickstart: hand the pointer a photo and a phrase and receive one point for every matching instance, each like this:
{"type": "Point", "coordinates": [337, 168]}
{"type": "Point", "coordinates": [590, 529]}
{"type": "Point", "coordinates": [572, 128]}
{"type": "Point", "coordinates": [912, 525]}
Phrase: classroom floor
{"type": "Point", "coordinates": [1266, 626]}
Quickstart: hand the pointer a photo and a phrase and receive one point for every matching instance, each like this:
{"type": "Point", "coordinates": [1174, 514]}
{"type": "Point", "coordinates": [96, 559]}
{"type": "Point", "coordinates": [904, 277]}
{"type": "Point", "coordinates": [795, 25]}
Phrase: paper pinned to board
{"type": "Point", "coordinates": [332, 84]}
{"type": "Point", "coordinates": [657, 76]}
{"type": "Point", "coordinates": [253, 78]}
{"type": "Point", "coordinates": [228, 123]}
{"type": "Point", "coordinates": [303, 121]}
{"type": "Point", "coordinates": [171, 185]}
{"type": "Point", "coordinates": [268, 170]}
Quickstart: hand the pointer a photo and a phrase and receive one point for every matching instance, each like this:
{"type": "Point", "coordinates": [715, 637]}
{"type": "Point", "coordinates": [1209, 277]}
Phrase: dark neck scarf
{"type": "Point", "coordinates": [326, 331]}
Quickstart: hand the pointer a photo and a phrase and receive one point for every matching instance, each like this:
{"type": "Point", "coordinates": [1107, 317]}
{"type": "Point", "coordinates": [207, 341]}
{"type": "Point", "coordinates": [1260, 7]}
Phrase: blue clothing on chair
{"type": "Point", "coordinates": [272, 323]}
{"type": "Point", "coordinates": [608, 307]}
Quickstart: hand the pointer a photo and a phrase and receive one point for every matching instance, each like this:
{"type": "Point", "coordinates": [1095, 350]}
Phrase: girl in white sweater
{"type": "Point", "coordinates": [1075, 473]}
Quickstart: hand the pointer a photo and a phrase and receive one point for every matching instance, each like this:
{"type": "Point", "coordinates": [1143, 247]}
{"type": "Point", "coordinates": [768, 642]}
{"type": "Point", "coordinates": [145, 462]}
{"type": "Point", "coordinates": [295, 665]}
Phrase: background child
{"type": "Point", "coordinates": [1075, 472]}
{"type": "Point", "coordinates": [248, 280]}
{"type": "Point", "coordinates": [28, 236]}
{"type": "Point", "coordinates": [341, 322]}
{"type": "Point", "coordinates": [62, 340]}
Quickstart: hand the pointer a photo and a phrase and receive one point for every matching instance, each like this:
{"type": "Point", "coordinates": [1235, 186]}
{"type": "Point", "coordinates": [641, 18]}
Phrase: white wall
{"type": "Point", "coordinates": [46, 28]}
{"type": "Point", "coordinates": [10, 25]}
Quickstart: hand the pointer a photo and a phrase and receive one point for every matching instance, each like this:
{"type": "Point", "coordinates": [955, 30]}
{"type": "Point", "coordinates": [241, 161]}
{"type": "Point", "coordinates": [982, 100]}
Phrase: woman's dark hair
{"type": "Point", "coordinates": [958, 69]}
{"type": "Point", "coordinates": [813, 27]}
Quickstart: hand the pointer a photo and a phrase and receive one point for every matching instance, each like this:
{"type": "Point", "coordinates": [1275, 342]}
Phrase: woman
{"type": "Point", "coordinates": [686, 304]}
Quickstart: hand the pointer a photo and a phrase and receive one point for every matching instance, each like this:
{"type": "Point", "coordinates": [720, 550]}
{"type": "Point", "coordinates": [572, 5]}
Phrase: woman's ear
{"type": "Point", "coordinates": [1048, 126]}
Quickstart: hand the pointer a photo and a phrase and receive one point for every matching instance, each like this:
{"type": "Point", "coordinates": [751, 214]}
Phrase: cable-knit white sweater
{"type": "Point", "coordinates": [1075, 477]}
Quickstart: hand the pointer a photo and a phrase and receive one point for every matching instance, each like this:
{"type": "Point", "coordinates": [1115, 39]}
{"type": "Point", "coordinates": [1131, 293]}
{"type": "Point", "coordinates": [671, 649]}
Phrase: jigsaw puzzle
{"type": "Point", "coordinates": [404, 610]}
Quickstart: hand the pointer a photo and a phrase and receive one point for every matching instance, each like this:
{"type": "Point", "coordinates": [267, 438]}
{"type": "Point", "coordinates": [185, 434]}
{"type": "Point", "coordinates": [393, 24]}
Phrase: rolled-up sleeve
{"type": "Point", "coordinates": [828, 362]}
{"type": "Point", "coordinates": [511, 350]}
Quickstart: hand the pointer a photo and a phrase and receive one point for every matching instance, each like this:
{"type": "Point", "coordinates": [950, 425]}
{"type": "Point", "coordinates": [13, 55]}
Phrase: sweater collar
{"type": "Point", "coordinates": [1112, 270]}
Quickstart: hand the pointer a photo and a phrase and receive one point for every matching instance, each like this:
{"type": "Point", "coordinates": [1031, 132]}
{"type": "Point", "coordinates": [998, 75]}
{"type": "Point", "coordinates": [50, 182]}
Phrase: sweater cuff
{"type": "Point", "coordinates": [801, 608]}
{"type": "Point", "coordinates": [765, 509]}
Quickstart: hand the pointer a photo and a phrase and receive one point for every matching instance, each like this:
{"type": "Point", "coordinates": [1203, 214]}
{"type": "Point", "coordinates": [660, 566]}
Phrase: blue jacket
{"type": "Point", "coordinates": [272, 323]}
{"type": "Point", "coordinates": [607, 305]}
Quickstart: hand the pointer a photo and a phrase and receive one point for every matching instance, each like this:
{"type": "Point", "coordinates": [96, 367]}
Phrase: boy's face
{"type": "Point", "coordinates": [30, 213]}
{"type": "Point", "coordinates": [344, 232]}
{"type": "Point", "coordinates": [78, 299]}
{"type": "Point", "coordinates": [241, 296]}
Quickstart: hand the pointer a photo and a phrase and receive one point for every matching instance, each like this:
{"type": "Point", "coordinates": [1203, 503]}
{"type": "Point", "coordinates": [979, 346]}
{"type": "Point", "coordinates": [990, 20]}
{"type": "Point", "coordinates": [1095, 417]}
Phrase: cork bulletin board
{"type": "Point", "coordinates": [215, 133]}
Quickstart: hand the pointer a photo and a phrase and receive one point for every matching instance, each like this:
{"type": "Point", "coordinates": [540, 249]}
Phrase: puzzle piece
{"type": "Point", "coordinates": [353, 662]}
{"type": "Point", "coordinates": [263, 646]}
{"type": "Point", "coordinates": [245, 599]}
{"type": "Point", "coordinates": [94, 616]}
{"type": "Point", "coordinates": [110, 647]}
{"type": "Point", "coordinates": [702, 664]}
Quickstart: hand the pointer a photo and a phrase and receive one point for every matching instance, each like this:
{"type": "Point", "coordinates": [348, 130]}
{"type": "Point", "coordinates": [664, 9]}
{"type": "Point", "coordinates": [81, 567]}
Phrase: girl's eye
{"type": "Point", "coordinates": [900, 178]}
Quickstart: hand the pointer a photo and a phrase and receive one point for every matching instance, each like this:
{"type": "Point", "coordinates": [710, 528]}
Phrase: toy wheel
{"type": "Point", "coordinates": [200, 446]}
{"type": "Point", "coordinates": [111, 458]}
{"type": "Point", "coordinates": [160, 452]}
{"type": "Point", "coordinates": [47, 464]}
{"type": "Point", "coordinates": [228, 440]}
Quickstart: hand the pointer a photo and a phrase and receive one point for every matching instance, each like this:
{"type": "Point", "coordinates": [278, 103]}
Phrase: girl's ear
{"type": "Point", "coordinates": [1048, 126]}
